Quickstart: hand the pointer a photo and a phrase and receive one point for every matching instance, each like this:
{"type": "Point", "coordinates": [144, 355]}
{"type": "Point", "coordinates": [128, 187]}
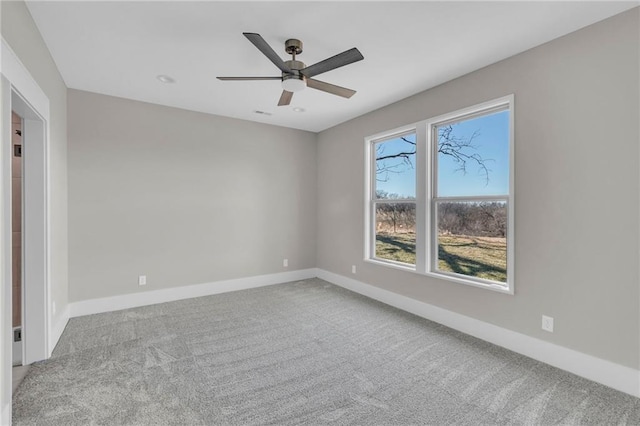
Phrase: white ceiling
{"type": "Point", "coordinates": [118, 49]}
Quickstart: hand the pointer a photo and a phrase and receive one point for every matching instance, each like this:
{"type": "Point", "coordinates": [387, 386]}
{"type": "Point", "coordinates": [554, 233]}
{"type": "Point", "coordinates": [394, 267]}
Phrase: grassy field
{"type": "Point", "coordinates": [482, 257]}
{"type": "Point", "coordinates": [400, 247]}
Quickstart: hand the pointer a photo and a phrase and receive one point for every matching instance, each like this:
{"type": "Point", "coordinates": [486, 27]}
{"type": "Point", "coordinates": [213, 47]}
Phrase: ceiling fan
{"type": "Point", "coordinates": [295, 74]}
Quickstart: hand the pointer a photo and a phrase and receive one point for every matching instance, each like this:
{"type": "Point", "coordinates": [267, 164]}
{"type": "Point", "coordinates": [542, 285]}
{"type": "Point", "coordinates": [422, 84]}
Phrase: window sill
{"type": "Point", "coordinates": [394, 265]}
{"type": "Point", "coordinates": [459, 280]}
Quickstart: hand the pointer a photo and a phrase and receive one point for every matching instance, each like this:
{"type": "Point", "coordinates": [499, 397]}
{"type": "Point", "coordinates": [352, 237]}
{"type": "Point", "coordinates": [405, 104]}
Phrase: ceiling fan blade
{"type": "Point", "coordinates": [267, 51]}
{"type": "Point", "coordinates": [330, 88]}
{"type": "Point", "coordinates": [247, 78]}
{"type": "Point", "coordinates": [341, 59]}
{"type": "Point", "coordinates": [285, 98]}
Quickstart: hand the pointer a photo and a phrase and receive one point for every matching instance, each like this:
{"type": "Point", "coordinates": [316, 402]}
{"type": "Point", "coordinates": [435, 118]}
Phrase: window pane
{"type": "Point", "coordinates": [473, 156]}
{"type": "Point", "coordinates": [396, 232]}
{"type": "Point", "coordinates": [472, 239]}
{"type": "Point", "coordinates": [395, 172]}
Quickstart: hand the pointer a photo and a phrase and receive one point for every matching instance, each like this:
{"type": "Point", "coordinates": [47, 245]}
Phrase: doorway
{"type": "Point", "coordinates": [34, 274]}
{"type": "Point", "coordinates": [16, 237]}
{"type": "Point", "coordinates": [21, 94]}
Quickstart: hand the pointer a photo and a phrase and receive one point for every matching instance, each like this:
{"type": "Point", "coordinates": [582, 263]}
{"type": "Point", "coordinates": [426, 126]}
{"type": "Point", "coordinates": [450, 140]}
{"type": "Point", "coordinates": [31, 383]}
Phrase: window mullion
{"type": "Point", "coordinates": [432, 145]}
{"type": "Point", "coordinates": [422, 182]}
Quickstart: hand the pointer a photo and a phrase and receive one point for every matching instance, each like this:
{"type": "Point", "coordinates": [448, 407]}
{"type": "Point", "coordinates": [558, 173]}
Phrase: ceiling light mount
{"type": "Point", "coordinates": [166, 79]}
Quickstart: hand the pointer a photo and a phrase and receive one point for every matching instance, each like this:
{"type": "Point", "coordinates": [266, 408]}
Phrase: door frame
{"type": "Point", "coordinates": [21, 93]}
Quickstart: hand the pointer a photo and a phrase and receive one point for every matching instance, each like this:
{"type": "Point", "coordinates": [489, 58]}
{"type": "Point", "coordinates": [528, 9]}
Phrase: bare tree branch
{"type": "Point", "coordinates": [383, 169]}
{"type": "Point", "coordinates": [456, 147]}
{"type": "Point", "coordinates": [460, 149]}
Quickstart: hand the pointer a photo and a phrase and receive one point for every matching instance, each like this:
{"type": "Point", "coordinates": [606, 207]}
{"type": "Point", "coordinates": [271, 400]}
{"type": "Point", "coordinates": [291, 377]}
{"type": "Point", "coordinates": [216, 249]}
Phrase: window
{"type": "Point", "coordinates": [441, 196]}
{"type": "Point", "coordinates": [394, 198]}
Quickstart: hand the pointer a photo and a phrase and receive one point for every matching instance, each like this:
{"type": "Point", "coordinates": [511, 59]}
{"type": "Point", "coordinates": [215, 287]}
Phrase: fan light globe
{"type": "Point", "coordinates": [293, 85]}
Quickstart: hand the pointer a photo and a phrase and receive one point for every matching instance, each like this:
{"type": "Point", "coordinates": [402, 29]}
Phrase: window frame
{"type": "Point", "coordinates": [427, 199]}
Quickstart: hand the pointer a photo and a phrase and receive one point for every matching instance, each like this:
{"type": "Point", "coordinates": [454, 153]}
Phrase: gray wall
{"type": "Point", "coordinates": [577, 186]}
{"type": "Point", "coordinates": [183, 197]}
{"type": "Point", "coordinates": [19, 30]}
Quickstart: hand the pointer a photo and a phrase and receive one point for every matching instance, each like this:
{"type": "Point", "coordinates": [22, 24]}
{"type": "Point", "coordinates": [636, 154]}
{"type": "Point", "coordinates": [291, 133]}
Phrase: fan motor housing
{"type": "Point", "coordinates": [295, 67]}
{"type": "Point", "coordinates": [294, 81]}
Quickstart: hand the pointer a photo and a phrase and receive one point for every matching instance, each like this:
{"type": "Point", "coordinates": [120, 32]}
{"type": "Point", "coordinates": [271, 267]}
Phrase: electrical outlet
{"type": "Point", "coordinates": [353, 269]}
{"type": "Point", "coordinates": [142, 280]}
{"type": "Point", "coordinates": [547, 323]}
{"type": "Point", "coordinates": [285, 263]}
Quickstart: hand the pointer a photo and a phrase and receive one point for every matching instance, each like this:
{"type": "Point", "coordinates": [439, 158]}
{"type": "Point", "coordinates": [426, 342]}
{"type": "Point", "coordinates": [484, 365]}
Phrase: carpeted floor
{"type": "Point", "coordinates": [298, 353]}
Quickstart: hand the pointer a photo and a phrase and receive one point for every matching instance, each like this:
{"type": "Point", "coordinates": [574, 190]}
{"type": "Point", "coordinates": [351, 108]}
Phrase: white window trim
{"type": "Point", "coordinates": [425, 172]}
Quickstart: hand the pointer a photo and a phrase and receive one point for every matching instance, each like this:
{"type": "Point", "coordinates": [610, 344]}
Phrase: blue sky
{"type": "Point", "coordinates": [397, 176]}
{"type": "Point", "coordinates": [491, 143]}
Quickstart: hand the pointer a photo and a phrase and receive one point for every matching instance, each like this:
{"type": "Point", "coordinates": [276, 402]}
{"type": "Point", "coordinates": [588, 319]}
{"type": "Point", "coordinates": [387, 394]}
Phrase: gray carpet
{"type": "Point", "coordinates": [298, 353]}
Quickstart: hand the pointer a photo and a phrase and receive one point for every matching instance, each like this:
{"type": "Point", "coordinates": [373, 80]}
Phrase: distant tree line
{"type": "Point", "coordinates": [480, 219]}
{"type": "Point", "coordinates": [395, 217]}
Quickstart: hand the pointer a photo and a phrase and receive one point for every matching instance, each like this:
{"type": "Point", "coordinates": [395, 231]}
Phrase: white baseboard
{"type": "Point", "coordinates": [57, 329]}
{"type": "Point", "coordinates": [126, 301]}
{"type": "Point", "coordinates": [5, 418]}
{"type": "Point", "coordinates": [610, 374]}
